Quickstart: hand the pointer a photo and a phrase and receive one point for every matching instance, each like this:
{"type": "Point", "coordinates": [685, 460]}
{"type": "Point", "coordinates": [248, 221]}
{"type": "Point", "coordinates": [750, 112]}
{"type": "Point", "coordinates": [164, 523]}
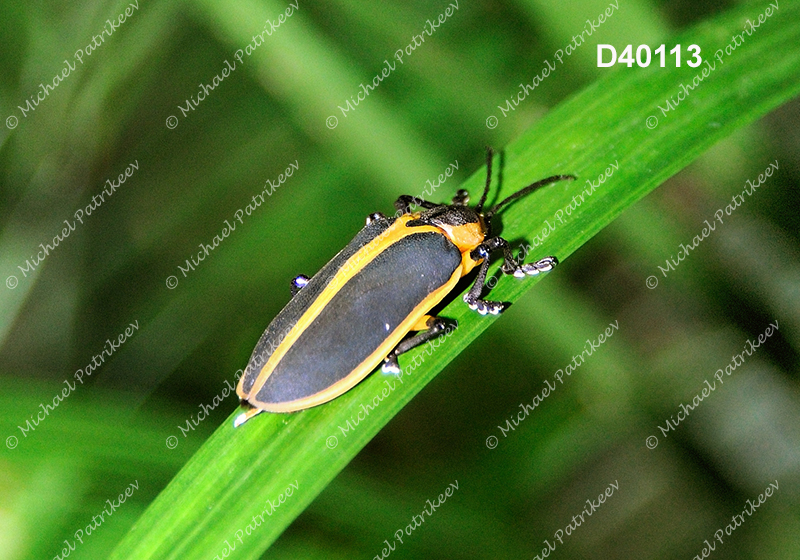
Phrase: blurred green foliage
{"type": "Point", "coordinates": [432, 111]}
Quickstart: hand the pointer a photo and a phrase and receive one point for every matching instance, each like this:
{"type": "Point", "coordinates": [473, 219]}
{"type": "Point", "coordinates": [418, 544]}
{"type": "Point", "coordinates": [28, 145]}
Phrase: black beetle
{"type": "Point", "coordinates": [357, 310]}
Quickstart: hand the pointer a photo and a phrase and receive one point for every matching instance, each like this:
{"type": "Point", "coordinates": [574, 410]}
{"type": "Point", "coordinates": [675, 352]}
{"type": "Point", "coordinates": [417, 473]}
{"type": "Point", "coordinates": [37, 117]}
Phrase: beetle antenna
{"type": "Point", "coordinates": [482, 201]}
{"type": "Point", "coordinates": [527, 190]}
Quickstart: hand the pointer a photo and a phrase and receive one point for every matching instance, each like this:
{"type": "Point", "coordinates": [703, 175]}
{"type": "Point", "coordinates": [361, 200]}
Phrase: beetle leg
{"type": "Point", "coordinates": [473, 299]}
{"type": "Point", "coordinates": [511, 266]}
{"type": "Point", "coordinates": [298, 283]}
{"type": "Point", "coordinates": [473, 296]}
{"type": "Point", "coordinates": [375, 216]}
{"type": "Point", "coordinates": [435, 327]}
{"type": "Point", "coordinates": [461, 198]}
{"type": "Point", "coordinates": [532, 269]}
{"type": "Point", "coordinates": [405, 201]}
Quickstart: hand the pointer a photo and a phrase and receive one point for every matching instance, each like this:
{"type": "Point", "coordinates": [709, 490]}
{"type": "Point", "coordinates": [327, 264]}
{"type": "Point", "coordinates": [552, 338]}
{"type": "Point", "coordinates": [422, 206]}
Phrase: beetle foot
{"type": "Point", "coordinates": [482, 306]}
{"type": "Point", "coordinates": [390, 365]}
{"type": "Point", "coordinates": [532, 269]}
{"type": "Point", "coordinates": [298, 283]}
{"type": "Point", "coordinates": [375, 216]}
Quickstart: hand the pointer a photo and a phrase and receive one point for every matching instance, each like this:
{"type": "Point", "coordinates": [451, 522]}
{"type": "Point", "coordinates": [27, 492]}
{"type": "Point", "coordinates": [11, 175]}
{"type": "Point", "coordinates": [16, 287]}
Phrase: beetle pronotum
{"type": "Point", "coordinates": [357, 310]}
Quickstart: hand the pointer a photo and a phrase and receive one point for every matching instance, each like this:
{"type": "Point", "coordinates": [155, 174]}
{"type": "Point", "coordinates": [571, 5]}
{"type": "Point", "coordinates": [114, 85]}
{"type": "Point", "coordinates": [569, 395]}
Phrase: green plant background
{"type": "Point", "coordinates": [429, 113]}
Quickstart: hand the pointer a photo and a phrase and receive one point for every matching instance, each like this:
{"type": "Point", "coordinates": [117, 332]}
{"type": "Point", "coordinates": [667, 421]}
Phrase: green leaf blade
{"type": "Point", "coordinates": [230, 480]}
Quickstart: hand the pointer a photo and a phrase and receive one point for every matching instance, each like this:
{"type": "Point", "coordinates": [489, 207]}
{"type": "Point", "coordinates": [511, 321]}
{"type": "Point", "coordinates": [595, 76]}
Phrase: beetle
{"type": "Point", "coordinates": [357, 310]}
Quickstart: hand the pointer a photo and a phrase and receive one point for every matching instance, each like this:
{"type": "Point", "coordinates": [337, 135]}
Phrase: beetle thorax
{"type": "Point", "coordinates": [462, 225]}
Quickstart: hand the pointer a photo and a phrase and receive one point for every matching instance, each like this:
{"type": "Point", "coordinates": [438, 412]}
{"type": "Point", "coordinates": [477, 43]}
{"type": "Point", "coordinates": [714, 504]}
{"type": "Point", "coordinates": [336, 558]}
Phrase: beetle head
{"type": "Point", "coordinates": [468, 227]}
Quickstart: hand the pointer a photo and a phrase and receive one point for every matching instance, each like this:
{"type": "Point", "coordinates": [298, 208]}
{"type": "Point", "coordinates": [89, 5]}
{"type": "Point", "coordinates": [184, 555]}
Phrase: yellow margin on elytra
{"type": "Point", "coordinates": [364, 368]}
{"type": "Point", "coordinates": [350, 268]}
